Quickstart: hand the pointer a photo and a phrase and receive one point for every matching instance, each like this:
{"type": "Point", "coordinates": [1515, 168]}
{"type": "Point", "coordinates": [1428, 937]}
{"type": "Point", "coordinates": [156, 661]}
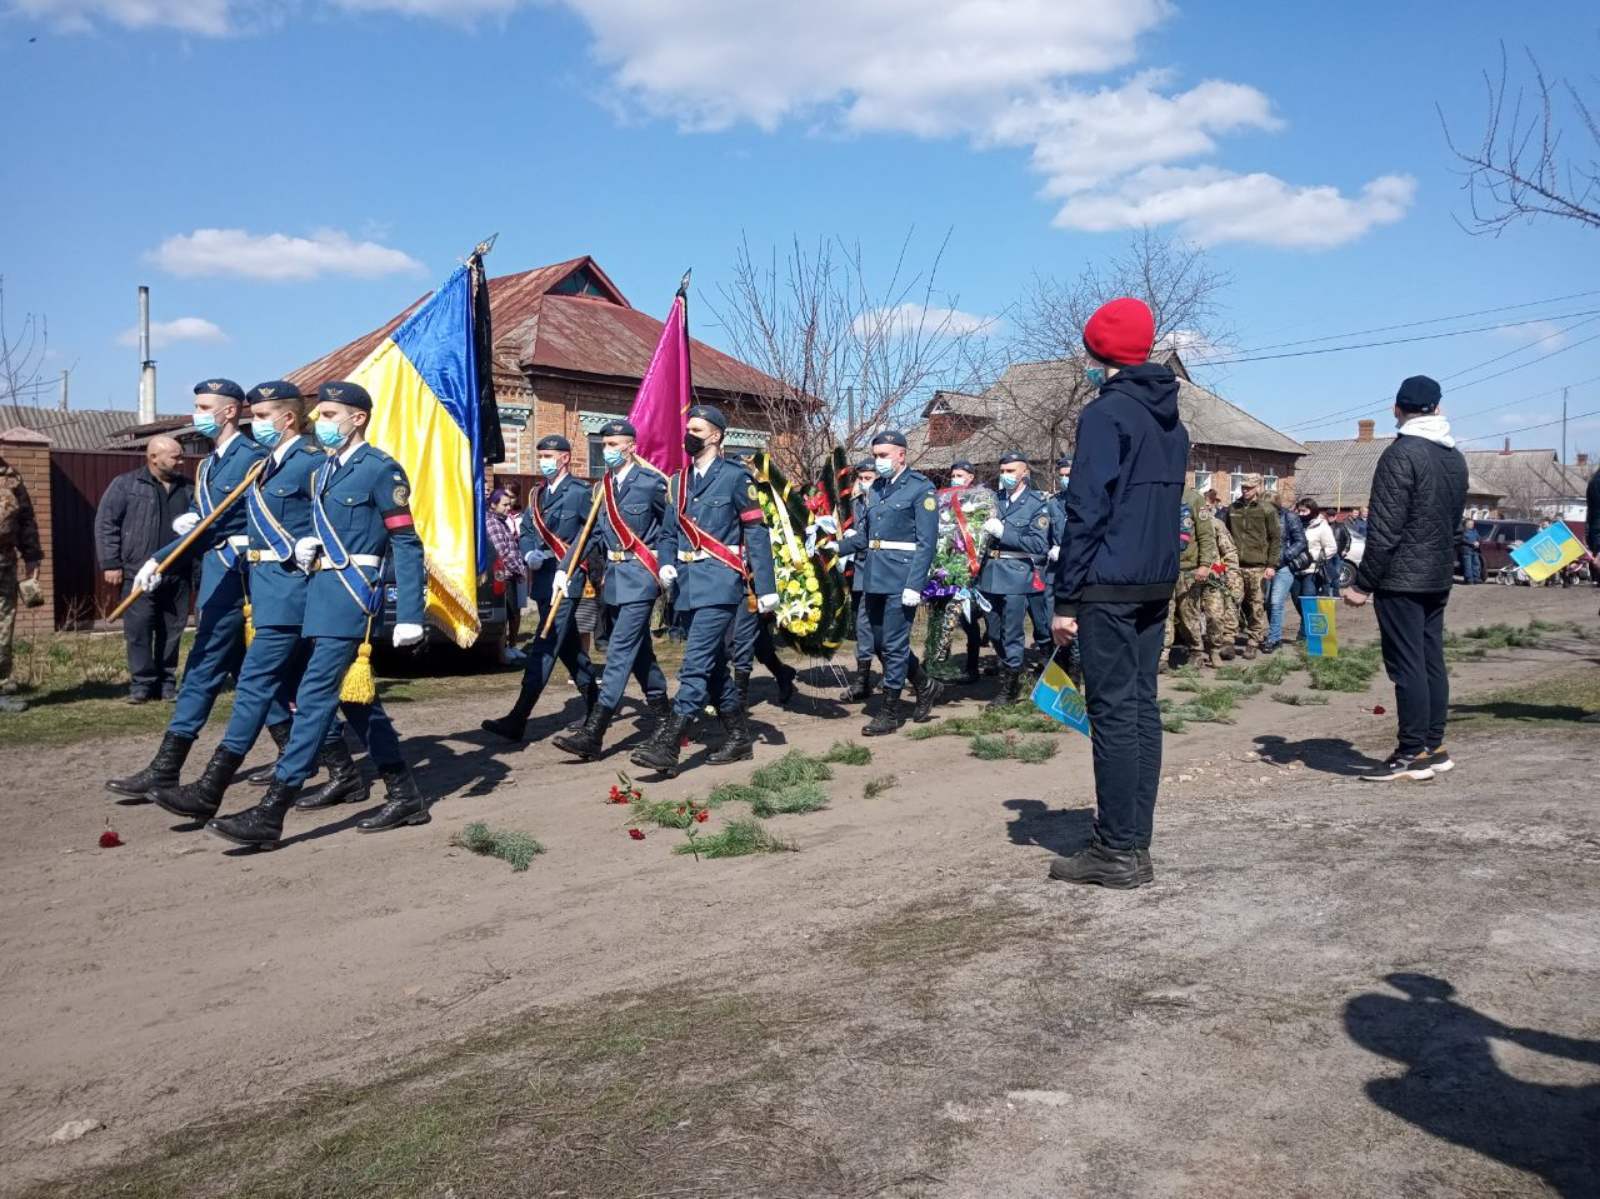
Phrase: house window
{"type": "Point", "coordinates": [1269, 484]}
{"type": "Point", "coordinates": [597, 456]}
{"type": "Point", "coordinates": [579, 283]}
{"type": "Point", "coordinates": [1236, 481]}
{"type": "Point", "coordinates": [1202, 479]}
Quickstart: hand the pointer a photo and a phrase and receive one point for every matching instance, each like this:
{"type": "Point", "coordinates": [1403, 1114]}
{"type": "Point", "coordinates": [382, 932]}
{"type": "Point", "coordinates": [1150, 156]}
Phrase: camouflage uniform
{"type": "Point", "coordinates": [1222, 596]}
{"type": "Point", "coordinates": [19, 536]}
{"type": "Point", "coordinates": [1197, 551]}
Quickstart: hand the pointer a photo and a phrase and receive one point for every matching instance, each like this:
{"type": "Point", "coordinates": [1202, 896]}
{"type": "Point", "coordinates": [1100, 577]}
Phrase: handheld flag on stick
{"type": "Point", "coordinates": [1547, 552]}
{"type": "Point", "coordinates": [1322, 634]}
{"type": "Point", "coordinates": [660, 411]}
{"type": "Point", "coordinates": [1055, 695]}
{"type": "Point", "coordinates": [424, 382]}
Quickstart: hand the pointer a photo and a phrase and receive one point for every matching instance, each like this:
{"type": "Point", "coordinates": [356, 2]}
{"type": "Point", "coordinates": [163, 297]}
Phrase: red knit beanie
{"type": "Point", "coordinates": [1121, 332]}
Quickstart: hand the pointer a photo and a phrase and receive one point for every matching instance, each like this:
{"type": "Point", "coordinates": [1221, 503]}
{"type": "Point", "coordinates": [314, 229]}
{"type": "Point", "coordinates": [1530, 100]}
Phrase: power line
{"type": "Point", "coordinates": [1530, 428]}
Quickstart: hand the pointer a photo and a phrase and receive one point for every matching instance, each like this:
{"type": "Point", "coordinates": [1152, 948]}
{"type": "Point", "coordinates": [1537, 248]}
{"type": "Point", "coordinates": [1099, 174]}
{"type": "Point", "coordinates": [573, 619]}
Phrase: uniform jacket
{"type": "Point", "coordinates": [219, 475]}
{"type": "Point", "coordinates": [1058, 517]}
{"type": "Point", "coordinates": [1197, 533]}
{"type": "Point", "coordinates": [1418, 492]}
{"type": "Point", "coordinates": [564, 508]}
{"type": "Point", "coordinates": [642, 501]}
{"type": "Point", "coordinates": [723, 503]}
{"type": "Point", "coordinates": [1256, 531]}
{"type": "Point", "coordinates": [1027, 532]}
{"type": "Point", "coordinates": [367, 501]}
{"type": "Point", "coordinates": [130, 524]}
{"type": "Point", "coordinates": [19, 531]}
{"type": "Point", "coordinates": [858, 572]}
{"type": "Point", "coordinates": [278, 589]}
{"type": "Point", "coordinates": [1227, 552]}
{"type": "Point", "coordinates": [1592, 498]}
{"type": "Point", "coordinates": [903, 509]}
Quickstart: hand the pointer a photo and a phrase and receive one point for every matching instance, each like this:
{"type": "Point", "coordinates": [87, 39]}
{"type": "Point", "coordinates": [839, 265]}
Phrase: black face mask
{"type": "Point", "coordinates": [693, 444]}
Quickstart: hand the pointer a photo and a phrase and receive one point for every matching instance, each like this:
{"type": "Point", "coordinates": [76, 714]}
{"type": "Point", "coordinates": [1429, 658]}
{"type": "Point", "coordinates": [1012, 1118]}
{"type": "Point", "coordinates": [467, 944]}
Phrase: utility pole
{"type": "Point", "coordinates": [1563, 426]}
{"type": "Point", "coordinates": [147, 366]}
{"type": "Point", "coordinates": [65, 375]}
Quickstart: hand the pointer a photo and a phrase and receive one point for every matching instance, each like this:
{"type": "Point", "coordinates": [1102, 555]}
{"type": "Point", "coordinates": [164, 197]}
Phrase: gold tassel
{"type": "Point", "coordinates": [249, 627]}
{"type": "Point", "coordinates": [359, 686]}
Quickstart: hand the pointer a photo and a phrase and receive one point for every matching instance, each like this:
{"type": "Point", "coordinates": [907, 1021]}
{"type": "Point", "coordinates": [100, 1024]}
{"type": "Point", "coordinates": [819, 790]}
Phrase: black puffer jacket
{"type": "Point", "coordinates": [1418, 492]}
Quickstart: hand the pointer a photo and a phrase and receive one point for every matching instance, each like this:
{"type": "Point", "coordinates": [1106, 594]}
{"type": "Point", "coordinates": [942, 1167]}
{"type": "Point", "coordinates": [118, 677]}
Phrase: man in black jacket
{"type": "Point", "coordinates": [1418, 492]}
{"type": "Point", "coordinates": [134, 520]}
{"type": "Point", "coordinates": [1592, 518]}
{"type": "Point", "coordinates": [1115, 574]}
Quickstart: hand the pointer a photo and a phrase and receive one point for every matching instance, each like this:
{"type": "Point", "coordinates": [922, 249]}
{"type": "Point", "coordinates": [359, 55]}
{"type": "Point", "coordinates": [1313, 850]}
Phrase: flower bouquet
{"type": "Point", "coordinates": [951, 592]}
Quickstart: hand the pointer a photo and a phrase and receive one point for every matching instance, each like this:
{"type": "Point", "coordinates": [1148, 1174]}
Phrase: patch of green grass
{"type": "Point", "coordinates": [878, 786]}
{"type": "Point", "coordinates": [848, 753]}
{"type": "Point", "coordinates": [1300, 699]}
{"type": "Point", "coordinates": [1266, 672]}
{"type": "Point", "coordinates": [1019, 718]}
{"type": "Point", "coordinates": [1172, 722]}
{"type": "Point", "coordinates": [796, 766]}
{"type": "Point", "coordinates": [732, 793]}
{"type": "Point", "coordinates": [510, 845]}
{"type": "Point", "coordinates": [800, 797]}
{"type": "Point", "coordinates": [1555, 701]}
{"type": "Point", "coordinates": [1351, 671]}
{"type": "Point", "coordinates": [1008, 746]}
{"type": "Point", "coordinates": [1505, 636]}
{"type": "Point", "coordinates": [737, 839]}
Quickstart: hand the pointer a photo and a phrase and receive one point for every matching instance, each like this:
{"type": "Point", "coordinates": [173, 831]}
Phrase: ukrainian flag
{"type": "Point", "coordinates": [1547, 552]}
{"type": "Point", "coordinates": [1322, 634]}
{"type": "Point", "coordinates": [1057, 698]}
{"type": "Point", "coordinates": [423, 379]}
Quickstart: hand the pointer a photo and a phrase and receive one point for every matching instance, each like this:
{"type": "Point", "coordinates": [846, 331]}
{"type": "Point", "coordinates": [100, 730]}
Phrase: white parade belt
{"type": "Point", "coordinates": [269, 556]}
{"type": "Point", "coordinates": [620, 555]}
{"type": "Point", "coordinates": [370, 561]}
{"type": "Point", "coordinates": [891, 545]}
{"type": "Point", "coordinates": [701, 555]}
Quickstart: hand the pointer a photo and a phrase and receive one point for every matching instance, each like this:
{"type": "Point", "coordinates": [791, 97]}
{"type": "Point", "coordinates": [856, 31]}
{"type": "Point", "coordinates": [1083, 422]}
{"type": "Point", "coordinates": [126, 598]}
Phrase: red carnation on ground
{"type": "Point", "coordinates": [636, 833]}
{"type": "Point", "coordinates": [1377, 709]}
{"type": "Point", "coordinates": [109, 839]}
{"type": "Point", "coordinates": [702, 816]}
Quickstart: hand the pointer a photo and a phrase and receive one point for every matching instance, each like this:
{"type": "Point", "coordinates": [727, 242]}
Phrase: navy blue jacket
{"type": "Point", "coordinates": [642, 500]}
{"type": "Point", "coordinates": [1129, 466]}
{"type": "Point", "coordinates": [564, 509]}
{"type": "Point", "coordinates": [278, 588]}
{"type": "Point", "coordinates": [225, 539]}
{"type": "Point", "coordinates": [1058, 516]}
{"type": "Point", "coordinates": [723, 504]}
{"type": "Point", "coordinates": [1293, 534]}
{"type": "Point", "coordinates": [904, 510]}
{"type": "Point", "coordinates": [858, 573]}
{"type": "Point", "coordinates": [1027, 533]}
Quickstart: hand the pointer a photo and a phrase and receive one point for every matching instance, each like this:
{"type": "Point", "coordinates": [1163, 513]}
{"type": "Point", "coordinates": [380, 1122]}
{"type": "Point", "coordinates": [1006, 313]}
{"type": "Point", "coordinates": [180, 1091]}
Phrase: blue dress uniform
{"type": "Point", "coordinates": [752, 639]}
{"type": "Point", "coordinates": [218, 647]}
{"type": "Point", "coordinates": [898, 534]}
{"type": "Point", "coordinates": [865, 646]}
{"type": "Point", "coordinates": [1012, 569]}
{"type": "Point", "coordinates": [1039, 602]}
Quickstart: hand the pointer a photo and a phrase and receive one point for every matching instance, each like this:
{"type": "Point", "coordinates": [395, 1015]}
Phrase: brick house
{"type": "Point", "coordinates": [569, 354]}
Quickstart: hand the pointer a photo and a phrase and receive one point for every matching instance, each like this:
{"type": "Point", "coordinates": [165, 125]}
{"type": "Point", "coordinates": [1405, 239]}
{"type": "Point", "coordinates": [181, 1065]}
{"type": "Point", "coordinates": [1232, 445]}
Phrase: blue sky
{"type": "Point", "coordinates": [352, 150]}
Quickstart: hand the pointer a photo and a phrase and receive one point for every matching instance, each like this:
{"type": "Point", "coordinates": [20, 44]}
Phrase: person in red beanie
{"type": "Point", "coordinates": [1114, 578]}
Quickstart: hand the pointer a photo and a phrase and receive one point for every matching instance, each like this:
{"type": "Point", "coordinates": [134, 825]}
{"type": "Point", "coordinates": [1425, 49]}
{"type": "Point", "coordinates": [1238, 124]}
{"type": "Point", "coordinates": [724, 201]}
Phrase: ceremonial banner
{"type": "Point", "coordinates": [1057, 698]}
{"type": "Point", "coordinates": [660, 411]}
{"type": "Point", "coordinates": [1322, 634]}
{"type": "Point", "coordinates": [1547, 552]}
{"type": "Point", "coordinates": [423, 379]}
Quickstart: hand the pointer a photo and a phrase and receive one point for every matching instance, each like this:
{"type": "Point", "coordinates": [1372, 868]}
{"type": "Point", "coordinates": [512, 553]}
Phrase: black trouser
{"type": "Point", "coordinates": [1121, 646]}
{"type": "Point", "coordinates": [153, 627]}
{"type": "Point", "coordinates": [1411, 628]}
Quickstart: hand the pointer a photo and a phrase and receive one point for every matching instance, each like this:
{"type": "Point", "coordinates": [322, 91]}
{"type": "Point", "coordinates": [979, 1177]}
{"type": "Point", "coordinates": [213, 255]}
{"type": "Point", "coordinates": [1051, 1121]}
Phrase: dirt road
{"type": "Point", "coordinates": [1334, 989]}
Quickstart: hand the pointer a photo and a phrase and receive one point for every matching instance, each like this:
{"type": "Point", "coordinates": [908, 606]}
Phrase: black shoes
{"type": "Point", "coordinates": [1439, 761]}
{"type": "Point", "coordinates": [1010, 689]}
{"type": "Point", "coordinates": [862, 691]}
{"type": "Point", "coordinates": [200, 800]}
{"type": "Point", "coordinates": [406, 805]}
{"type": "Point", "coordinates": [262, 776]}
{"type": "Point", "coordinates": [1147, 870]}
{"type": "Point", "coordinates": [1416, 767]}
{"type": "Point", "coordinates": [510, 727]}
{"type": "Point", "coordinates": [891, 715]}
{"type": "Point", "coordinates": [661, 752]}
{"type": "Point", "coordinates": [741, 684]}
{"type": "Point", "coordinates": [585, 744]}
{"type": "Point", "coordinates": [163, 771]}
{"type": "Point", "coordinates": [740, 746]}
{"type": "Point", "coordinates": [344, 785]}
{"type": "Point", "coordinates": [786, 678]}
{"type": "Point", "coordinates": [260, 827]}
{"type": "Point", "coordinates": [1120, 869]}
{"type": "Point", "coordinates": [924, 690]}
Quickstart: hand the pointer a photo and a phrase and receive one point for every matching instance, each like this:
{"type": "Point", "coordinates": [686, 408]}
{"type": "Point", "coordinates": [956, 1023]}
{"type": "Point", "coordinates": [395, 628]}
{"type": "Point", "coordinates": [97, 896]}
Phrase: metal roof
{"type": "Point", "coordinates": [84, 428]}
{"type": "Point", "coordinates": [1338, 474]}
{"type": "Point", "coordinates": [1528, 476]}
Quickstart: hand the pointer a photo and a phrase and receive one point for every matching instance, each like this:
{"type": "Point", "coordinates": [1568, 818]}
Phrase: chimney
{"type": "Point", "coordinates": [1364, 429]}
{"type": "Point", "coordinates": [1507, 449]}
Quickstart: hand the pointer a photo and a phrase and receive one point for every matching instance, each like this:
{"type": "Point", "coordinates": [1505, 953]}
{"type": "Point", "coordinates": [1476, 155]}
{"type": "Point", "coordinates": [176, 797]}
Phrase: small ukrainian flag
{"type": "Point", "coordinates": [1547, 552]}
{"type": "Point", "coordinates": [1322, 633]}
{"type": "Point", "coordinates": [1057, 698]}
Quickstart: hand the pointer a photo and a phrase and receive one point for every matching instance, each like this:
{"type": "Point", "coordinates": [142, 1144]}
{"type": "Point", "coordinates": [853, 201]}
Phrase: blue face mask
{"type": "Point", "coordinates": [1008, 481]}
{"type": "Point", "coordinates": [884, 467]}
{"type": "Point", "coordinates": [1096, 376]}
{"type": "Point", "coordinates": [548, 467]}
{"type": "Point", "coordinates": [1062, 481]}
{"type": "Point", "coordinates": [207, 424]}
{"type": "Point", "coordinates": [614, 458]}
{"type": "Point", "coordinates": [266, 433]}
{"type": "Point", "coordinates": [328, 434]}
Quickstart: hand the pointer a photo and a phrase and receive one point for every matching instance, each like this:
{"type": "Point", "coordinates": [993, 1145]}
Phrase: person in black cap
{"type": "Point", "coordinates": [218, 647]}
{"type": "Point", "coordinates": [1018, 543]}
{"type": "Point", "coordinates": [861, 692]}
{"type": "Point", "coordinates": [1418, 492]}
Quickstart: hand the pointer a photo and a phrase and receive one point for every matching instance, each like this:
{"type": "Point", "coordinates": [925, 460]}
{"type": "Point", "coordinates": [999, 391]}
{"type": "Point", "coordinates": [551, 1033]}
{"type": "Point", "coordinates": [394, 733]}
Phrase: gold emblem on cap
{"type": "Point", "coordinates": [268, 393]}
{"type": "Point", "coordinates": [334, 392]}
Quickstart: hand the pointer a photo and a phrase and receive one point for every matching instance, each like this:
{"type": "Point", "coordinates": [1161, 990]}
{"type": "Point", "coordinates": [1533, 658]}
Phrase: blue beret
{"type": "Point", "coordinates": [963, 464]}
{"type": "Point", "coordinates": [220, 387]}
{"type": "Point", "coordinates": [555, 442]}
{"type": "Point", "coordinates": [864, 466]}
{"type": "Point", "coordinates": [710, 415]}
{"type": "Point", "coordinates": [1012, 456]}
{"type": "Point", "coordinates": [341, 392]}
{"type": "Point", "coordinates": [274, 389]}
{"type": "Point", "coordinates": [618, 428]}
{"type": "Point", "coordinates": [890, 437]}
{"type": "Point", "coordinates": [1065, 460]}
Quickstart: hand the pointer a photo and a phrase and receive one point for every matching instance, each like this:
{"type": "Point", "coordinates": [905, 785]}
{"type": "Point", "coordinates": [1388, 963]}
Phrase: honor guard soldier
{"type": "Point", "coordinates": [962, 476]}
{"type": "Point", "coordinates": [1058, 506]}
{"type": "Point", "coordinates": [633, 523]}
{"type": "Point", "coordinates": [218, 645]}
{"type": "Point", "coordinates": [897, 533]}
{"type": "Point", "coordinates": [723, 551]}
{"type": "Point", "coordinates": [359, 513]}
{"type": "Point", "coordinates": [1012, 564]}
{"type": "Point", "coordinates": [752, 639]}
{"type": "Point", "coordinates": [278, 511]}
{"type": "Point", "coordinates": [866, 476]}
{"type": "Point", "coordinates": [554, 518]}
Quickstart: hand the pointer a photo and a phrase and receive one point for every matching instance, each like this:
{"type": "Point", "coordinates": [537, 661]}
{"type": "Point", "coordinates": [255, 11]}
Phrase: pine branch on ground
{"type": "Point", "coordinates": [800, 797]}
{"type": "Point", "coordinates": [1019, 718]}
{"type": "Point", "coordinates": [518, 849]}
{"type": "Point", "coordinates": [737, 839]}
{"type": "Point", "coordinates": [1351, 671]}
{"type": "Point", "coordinates": [1300, 699]}
{"type": "Point", "coordinates": [1003, 746]}
{"type": "Point", "coordinates": [794, 767]}
{"type": "Point", "coordinates": [848, 753]}
{"type": "Point", "coordinates": [878, 786]}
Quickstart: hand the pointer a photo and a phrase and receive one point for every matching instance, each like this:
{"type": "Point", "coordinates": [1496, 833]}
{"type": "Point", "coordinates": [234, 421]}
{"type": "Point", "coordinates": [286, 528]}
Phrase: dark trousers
{"type": "Point", "coordinates": [704, 677]}
{"type": "Point", "coordinates": [1411, 630]}
{"type": "Point", "coordinates": [1121, 645]}
{"type": "Point", "coordinates": [752, 642]}
{"type": "Point", "coordinates": [891, 621]}
{"type": "Point", "coordinates": [629, 651]}
{"type": "Point", "coordinates": [1040, 609]}
{"type": "Point", "coordinates": [316, 705]}
{"type": "Point", "coordinates": [542, 653]}
{"type": "Point", "coordinates": [1006, 613]}
{"type": "Point", "coordinates": [153, 627]}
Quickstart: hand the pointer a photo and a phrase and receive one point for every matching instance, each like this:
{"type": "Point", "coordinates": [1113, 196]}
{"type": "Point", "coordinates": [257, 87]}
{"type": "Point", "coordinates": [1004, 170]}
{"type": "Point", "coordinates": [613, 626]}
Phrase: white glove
{"type": "Point", "coordinates": [910, 598]}
{"type": "Point", "coordinates": [994, 526]}
{"type": "Point", "coordinates": [535, 558]}
{"type": "Point", "coordinates": [669, 574]}
{"type": "Point", "coordinates": [407, 634]}
{"type": "Point", "coordinates": [559, 586]}
{"type": "Point", "coordinates": [149, 576]}
{"type": "Point", "coordinates": [828, 524]}
{"type": "Point", "coordinates": [1055, 552]}
{"type": "Point", "coordinates": [306, 551]}
{"type": "Point", "coordinates": [767, 603]}
{"type": "Point", "coordinates": [184, 525]}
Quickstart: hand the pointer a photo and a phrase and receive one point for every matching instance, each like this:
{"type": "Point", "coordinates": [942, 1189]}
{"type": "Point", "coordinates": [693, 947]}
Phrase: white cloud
{"type": "Point", "coordinates": [908, 319]}
{"type": "Point", "coordinates": [209, 17]}
{"type": "Point", "coordinates": [277, 257]}
{"type": "Point", "coordinates": [166, 333]}
{"type": "Point", "coordinates": [1547, 335]}
{"type": "Point", "coordinates": [1191, 343]}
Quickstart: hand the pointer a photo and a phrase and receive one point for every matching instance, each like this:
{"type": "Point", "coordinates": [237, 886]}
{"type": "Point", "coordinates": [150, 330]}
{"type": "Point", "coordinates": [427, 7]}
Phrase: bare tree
{"type": "Point", "coordinates": [1520, 168]}
{"type": "Point", "coordinates": [1037, 401]}
{"type": "Point", "coordinates": [21, 355]}
{"type": "Point", "coordinates": [850, 356]}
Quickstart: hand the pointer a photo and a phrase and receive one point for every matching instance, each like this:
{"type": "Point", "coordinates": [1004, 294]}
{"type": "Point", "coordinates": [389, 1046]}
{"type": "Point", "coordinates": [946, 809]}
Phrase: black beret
{"type": "Point", "coordinates": [555, 442]}
{"type": "Point", "coordinates": [618, 428]}
{"type": "Point", "coordinates": [1418, 394]}
{"type": "Point", "coordinates": [220, 387]}
{"type": "Point", "coordinates": [1012, 456]}
{"type": "Point", "coordinates": [1065, 460]}
{"type": "Point", "coordinates": [711, 415]}
{"type": "Point", "coordinates": [341, 392]}
{"type": "Point", "coordinates": [274, 389]}
{"type": "Point", "coordinates": [963, 465]}
{"type": "Point", "coordinates": [863, 467]}
{"type": "Point", "coordinates": [890, 437]}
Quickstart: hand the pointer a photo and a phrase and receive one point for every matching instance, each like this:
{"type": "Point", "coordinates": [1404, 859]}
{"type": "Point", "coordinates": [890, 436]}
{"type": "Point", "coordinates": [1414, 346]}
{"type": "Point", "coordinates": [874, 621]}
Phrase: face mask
{"type": "Point", "coordinates": [548, 467]}
{"type": "Point", "coordinates": [1008, 481]}
{"type": "Point", "coordinates": [884, 466]}
{"type": "Point", "coordinates": [1096, 376]}
{"type": "Point", "coordinates": [328, 434]}
{"type": "Point", "coordinates": [1062, 481]}
{"type": "Point", "coordinates": [614, 458]}
{"type": "Point", "coordinates": [207, 424]}
{"type": "Point", "coordinates": [266, 433]}
{"type": "Point", "coordinates": [693, 444]}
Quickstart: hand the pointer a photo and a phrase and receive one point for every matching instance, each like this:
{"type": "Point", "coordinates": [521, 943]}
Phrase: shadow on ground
{"type": "Point", "coordinates": [1330, 755]}
{"type": "Point", "coordinates": [1060, 830]}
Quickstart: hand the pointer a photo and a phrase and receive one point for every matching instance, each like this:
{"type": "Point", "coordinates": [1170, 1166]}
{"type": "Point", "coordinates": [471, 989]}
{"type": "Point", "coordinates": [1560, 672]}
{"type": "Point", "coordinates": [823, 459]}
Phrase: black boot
{"type": "Point", "coordinates": [925, 689]}
{"type": "Point", "coordinates": [659, 709]}
{"type": "Point", "coordinates": [164, 769]}
{"type": "Point", "coordinates": [1003, 695]}
{"type": "Point", "coordinates": [344, 785]}
{"type": "Point", "coordinates": [1098, 863]}
{"type": "Point", "coordinates": [586, 742]}
{"type": "Point", "coordinates": [262, 825]}
{"type": "Point", "coordinates": [862, 691]}
{"type": "Point", "coordinates": [262, 776]}
{"type": "Point", "coordinates": [786, 675]}
{"type": "Point", "coordinates": [200, 800]}
{"type": "Point", "coordinates": [891, 715]}
{"type": "Point", "coordinates": [741, 684]}
{"type": "Point", "coordinates": [513, 724]}
{"type": "Point", "coordinates": [405, 805]}
{"type": "Point", "coordinates": [661, 752]}
{"type": "Point", "coordinates": [740, 746]}
{"type": "Point", "coordinates": [591, 696]}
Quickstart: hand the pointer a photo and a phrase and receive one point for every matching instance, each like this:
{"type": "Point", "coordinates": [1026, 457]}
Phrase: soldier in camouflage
{"type": "Point", "coordinates": [19, 538]}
